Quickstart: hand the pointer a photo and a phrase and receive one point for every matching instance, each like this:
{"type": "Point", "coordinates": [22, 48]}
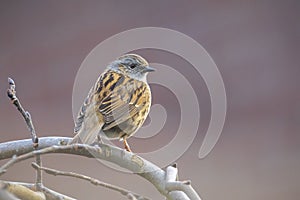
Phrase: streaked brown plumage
{"type": "Point", "coordinates": [118, 104]}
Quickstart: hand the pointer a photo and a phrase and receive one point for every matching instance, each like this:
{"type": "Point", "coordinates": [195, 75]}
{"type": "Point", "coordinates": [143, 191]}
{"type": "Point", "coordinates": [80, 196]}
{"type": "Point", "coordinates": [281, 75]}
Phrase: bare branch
{"type": "Point", "coordinates": [172, 185]}
{"type": "Point", "coordinates": [94, 181]}
{"type": "Point", "coordinates": [4, 194]}
{"type": "Point", "coordinates": [12, 94]}
{"type": "Point", "coordinates": [171, 176]}
{"type": "Point", "coordinates": [39, 177]}
{"type": "Point", "coordinates": [171, 173]}
{"type": "Point", "coordinates": [113, 154]}
{"type": "Point", "coordinates": [22, 192]}
{"type": "Point", "coordinates": [19, 147]}
{"type": "Point", "coordinates": [50, 194]}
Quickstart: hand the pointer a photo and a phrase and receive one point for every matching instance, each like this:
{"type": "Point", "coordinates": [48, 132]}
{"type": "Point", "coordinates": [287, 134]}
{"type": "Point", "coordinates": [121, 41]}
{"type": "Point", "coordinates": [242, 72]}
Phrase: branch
{"type": "Point", "coordinates": [4, 194]}
{"type": "Point", "coordinates": [173, 185]}
{"type": "Point", "coordinates": [113, 154]}
{"type": "Point", "coordinates": [94, 181]}
{"type": "Point", "coordinates": [11, 93]}
{"type": "Point", "coordinates": [50, 194]}
{"type": "Point", "coordinates": [20, 191]}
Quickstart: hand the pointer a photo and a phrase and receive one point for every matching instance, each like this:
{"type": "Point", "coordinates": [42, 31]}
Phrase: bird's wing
{"type": "Point", "coordinates": [97, 93]}
{"type": "Point", "coordinates": [122, 103]}
{"type": "Point", "coordinates": [82, 112]}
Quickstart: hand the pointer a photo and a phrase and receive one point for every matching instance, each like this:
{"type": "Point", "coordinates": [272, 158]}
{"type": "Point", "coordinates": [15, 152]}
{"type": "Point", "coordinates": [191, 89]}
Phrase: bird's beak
{"type": "Point", "coordinates": [149, 69]}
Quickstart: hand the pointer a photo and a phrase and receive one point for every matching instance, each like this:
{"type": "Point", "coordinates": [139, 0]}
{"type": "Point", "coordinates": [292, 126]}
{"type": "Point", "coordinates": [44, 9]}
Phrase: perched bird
{"type": "Point", "coordinates": [118, 104]}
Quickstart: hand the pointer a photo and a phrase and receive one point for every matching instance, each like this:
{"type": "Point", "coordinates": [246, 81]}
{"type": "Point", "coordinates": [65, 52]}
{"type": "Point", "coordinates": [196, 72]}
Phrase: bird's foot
{"type": "Point", "coordinates": [126, 145]}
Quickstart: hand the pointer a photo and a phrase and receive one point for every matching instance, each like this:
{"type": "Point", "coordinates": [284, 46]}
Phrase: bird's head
{"type": "Point", "coordinates": [132, 65]}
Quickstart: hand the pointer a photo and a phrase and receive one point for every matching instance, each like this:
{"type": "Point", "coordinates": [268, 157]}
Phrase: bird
{"type": "Point", "coordinates": [118, 103]}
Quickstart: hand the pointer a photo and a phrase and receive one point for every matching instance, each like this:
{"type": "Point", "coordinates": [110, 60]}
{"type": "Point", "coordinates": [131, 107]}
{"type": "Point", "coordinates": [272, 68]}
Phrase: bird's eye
{"type": "Point", "coordinates": [132, 65]}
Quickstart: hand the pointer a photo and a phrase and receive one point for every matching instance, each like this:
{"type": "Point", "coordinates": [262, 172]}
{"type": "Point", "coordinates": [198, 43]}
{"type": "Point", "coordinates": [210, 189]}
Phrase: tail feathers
{"type": "Point", "coordinates": [86, 137]}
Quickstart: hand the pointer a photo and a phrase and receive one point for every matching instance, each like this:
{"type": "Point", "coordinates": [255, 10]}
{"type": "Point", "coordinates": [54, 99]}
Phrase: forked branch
{"type": "Point", "coordinates": [124, 159]}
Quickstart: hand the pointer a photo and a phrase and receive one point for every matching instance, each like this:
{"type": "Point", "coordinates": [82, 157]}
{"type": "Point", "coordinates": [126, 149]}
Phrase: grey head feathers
{"type": "Point", "coordinates": [132, 65]}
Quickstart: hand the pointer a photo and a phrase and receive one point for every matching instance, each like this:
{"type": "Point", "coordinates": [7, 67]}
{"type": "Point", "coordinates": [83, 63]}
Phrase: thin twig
{"type": "Point", "coordinates": [39, 176]}
{"type": "Point", "coordinates": [12, 94]}
{"type": "Point", "coordinates": [94, 181]}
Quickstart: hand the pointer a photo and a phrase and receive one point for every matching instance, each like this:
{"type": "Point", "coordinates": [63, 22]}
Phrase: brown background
{"type": "Point", "coordinates": [255, 44]}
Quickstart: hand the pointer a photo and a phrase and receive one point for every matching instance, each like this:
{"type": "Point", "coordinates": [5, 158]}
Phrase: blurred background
{"type": "Point", "coordinates": [255, 45]}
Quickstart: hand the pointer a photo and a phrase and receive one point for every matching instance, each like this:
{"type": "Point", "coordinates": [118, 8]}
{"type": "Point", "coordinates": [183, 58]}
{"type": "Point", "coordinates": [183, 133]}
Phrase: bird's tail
{"type": "Point", "coordinates": [86, 136]}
